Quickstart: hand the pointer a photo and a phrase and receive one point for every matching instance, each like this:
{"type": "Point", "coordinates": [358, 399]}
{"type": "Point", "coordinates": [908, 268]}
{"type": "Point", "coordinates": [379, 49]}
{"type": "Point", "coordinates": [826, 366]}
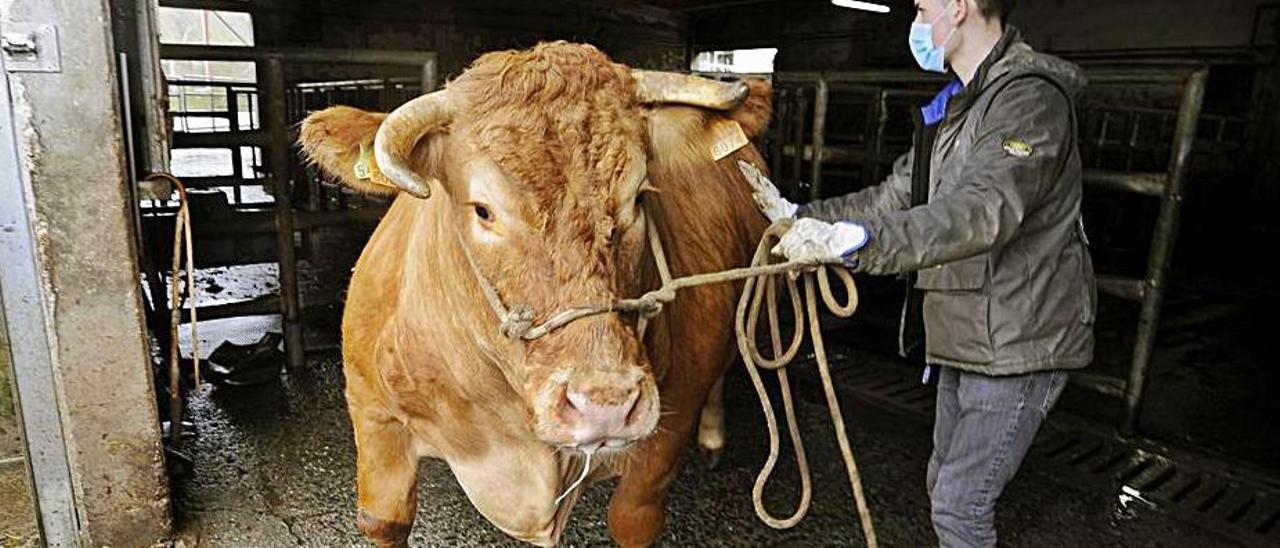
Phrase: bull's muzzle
{"type": "Point", "coordinates": [606, 409]}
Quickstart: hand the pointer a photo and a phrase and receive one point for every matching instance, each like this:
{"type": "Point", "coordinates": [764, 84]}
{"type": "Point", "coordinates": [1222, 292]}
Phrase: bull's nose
{"type": "Point", "coordinates": [596, 413]}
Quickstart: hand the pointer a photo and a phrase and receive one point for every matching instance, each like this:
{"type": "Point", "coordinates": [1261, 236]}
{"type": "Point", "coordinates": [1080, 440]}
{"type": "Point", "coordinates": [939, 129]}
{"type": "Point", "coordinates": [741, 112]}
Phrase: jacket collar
{"type": "Point", "coordinates": [984, 75]}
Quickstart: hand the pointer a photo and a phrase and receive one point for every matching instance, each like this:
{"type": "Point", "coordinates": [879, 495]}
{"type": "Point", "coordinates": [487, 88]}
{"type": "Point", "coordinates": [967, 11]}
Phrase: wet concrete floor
{"type": "Point", "coordinates": [274, 466]}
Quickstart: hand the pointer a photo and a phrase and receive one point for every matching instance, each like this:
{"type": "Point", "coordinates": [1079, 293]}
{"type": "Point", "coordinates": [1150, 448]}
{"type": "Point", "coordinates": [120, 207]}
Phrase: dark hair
{"type": "Point", "coordinates": [999, 9]}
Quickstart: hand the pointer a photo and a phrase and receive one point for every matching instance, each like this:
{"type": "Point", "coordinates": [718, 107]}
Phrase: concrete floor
{"type": "Point", "coordinates": [274, 467]}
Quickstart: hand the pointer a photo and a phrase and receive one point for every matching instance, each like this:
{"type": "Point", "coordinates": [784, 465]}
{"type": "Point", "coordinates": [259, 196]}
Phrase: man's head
{"type": "Point", "coordinates": [964, 29]}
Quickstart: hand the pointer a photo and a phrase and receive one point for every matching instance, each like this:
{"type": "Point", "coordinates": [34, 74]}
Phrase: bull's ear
{"type": "Point", "coordinates": [753, 112]}
{"type": "Point", "coordinates": [340, 141]}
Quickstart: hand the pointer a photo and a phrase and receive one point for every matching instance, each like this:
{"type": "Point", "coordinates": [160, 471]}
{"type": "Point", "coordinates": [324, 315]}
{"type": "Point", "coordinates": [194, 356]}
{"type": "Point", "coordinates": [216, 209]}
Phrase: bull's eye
{"type": "Point", "coordinates": [483, 213]}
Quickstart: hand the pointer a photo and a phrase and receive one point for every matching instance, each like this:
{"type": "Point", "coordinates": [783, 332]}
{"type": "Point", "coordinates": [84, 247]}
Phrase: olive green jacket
{"type": "Point", "coordinates": [999, 247]}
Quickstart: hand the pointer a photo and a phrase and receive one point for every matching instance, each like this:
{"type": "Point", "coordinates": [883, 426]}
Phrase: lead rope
{"type": "Point", "coordinates": [760, 287]}
{"type": "Point", "coordinates": [757, 291]}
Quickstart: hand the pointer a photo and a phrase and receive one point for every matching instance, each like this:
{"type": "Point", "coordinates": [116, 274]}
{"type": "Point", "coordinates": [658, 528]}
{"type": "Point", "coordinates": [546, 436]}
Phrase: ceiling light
{"type": "Point", "coordinates": [864, 6]}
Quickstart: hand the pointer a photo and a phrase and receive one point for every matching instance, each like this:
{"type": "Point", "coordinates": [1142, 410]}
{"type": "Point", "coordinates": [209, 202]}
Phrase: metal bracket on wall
{"type": "Point", "coordinates": [30, 47]}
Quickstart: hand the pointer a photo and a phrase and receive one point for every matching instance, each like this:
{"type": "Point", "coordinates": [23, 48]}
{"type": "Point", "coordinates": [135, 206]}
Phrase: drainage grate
{"type": "Point", "coordinates": [1241, 509]}
{"type": "Point", "coordinates": [1197, 490]}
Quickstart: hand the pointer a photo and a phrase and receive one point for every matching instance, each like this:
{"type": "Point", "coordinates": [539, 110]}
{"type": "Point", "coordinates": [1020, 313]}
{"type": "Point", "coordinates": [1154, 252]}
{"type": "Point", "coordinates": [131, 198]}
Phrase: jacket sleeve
{"type": "Point", "coordinates": [893, 194]}
{"type": "Point", "coordinates": [999, 183]}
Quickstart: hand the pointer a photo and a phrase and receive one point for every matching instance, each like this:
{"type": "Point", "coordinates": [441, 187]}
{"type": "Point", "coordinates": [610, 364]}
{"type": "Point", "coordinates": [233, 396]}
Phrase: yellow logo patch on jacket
{"type": "Point", "coordinates": [1017, 148]}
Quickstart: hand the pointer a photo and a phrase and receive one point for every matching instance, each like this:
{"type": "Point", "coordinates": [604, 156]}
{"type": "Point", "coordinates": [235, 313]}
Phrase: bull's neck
{"type": "Point", "coordinates": [444, 289]}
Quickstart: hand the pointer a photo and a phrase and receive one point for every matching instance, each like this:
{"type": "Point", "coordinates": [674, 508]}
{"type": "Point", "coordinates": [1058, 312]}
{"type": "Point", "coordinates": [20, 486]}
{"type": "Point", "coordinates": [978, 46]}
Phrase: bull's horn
{"type": "Point", "coordinates": [653, 87]}
{"type": "Point", "coordinates": [401, 131]}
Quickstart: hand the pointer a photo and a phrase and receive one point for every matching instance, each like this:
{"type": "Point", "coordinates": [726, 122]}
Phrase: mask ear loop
{"type": "Point", "coordinates": [943, 46]}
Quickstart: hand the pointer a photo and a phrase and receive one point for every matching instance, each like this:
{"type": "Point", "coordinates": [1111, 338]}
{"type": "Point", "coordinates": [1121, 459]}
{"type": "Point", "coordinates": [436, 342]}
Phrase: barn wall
{"type": "Point", "coordinates": [69, 130]}
{"type": "Point", "coordinates": [1237, 37]}
{"type": "Point", "coordinates": [460, 30]}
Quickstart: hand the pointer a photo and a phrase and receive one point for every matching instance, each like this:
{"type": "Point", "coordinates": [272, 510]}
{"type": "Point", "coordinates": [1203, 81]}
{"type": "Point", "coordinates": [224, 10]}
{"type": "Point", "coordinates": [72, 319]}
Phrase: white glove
{"type": "Point", "coordinates": [767, 197]}
{"type": "Point", "coordinates": [811, 240]}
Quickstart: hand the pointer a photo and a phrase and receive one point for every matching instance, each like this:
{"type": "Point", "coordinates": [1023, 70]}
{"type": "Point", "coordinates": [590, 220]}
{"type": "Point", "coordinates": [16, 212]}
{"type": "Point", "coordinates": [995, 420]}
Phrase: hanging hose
{"type": "Point", "coordinates": [182, 244]}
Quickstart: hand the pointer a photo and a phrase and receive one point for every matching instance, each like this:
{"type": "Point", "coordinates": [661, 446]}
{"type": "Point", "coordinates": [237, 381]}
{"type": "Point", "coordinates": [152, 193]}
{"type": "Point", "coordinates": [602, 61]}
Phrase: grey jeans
{"type": "Point", "coordinates": [983, 428]}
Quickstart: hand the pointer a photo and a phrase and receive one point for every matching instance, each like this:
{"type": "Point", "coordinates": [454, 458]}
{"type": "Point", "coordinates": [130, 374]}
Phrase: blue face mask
{"type": "Point", "coordinates": [929, 57]}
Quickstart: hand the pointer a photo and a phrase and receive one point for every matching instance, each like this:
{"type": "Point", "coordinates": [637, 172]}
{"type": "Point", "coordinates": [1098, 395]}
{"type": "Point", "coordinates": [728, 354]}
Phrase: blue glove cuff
{"type": "Point", "coordinates": [855, 246]}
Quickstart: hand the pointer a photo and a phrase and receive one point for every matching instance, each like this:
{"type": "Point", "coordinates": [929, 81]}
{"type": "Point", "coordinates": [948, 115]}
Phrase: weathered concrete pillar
{"type": "Point", "coordinates": [72, 170]}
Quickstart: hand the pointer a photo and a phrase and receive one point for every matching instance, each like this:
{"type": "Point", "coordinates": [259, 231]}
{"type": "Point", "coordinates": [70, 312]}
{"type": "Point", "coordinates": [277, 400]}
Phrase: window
{"type": "Point", "coordinates": [216, 98]}
{"type": "Point", "coordinates": [205, 27]}
{"type": "Point", "coordinates": [738, 61]}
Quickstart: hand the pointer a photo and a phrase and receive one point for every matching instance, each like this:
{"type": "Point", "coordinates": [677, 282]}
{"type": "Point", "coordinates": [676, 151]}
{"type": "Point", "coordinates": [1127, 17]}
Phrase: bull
{"type": "Point", "coordinates": [533, 178]}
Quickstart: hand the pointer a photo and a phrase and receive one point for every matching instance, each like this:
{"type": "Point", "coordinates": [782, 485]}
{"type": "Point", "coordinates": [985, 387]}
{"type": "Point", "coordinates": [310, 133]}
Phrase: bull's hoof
{"type": "Point", "coordinates": [711, 457]}
{"type": "Point", "coordinates": [383, 533]}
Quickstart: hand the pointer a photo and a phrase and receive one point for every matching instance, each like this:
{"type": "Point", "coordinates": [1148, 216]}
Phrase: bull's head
{"type": "Point", "coordinates": [535, 163]}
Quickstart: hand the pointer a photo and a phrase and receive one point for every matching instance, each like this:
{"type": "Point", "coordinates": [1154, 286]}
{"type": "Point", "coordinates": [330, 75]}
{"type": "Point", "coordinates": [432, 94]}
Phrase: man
{"type": "Point", "coordinates": [985, 210]}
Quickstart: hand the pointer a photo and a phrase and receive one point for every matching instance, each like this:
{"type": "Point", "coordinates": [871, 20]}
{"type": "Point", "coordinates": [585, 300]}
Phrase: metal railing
{"type": "Point", "coordinates": [269, 109]}
{"type": "Point", "coordinates": [1150, 156]}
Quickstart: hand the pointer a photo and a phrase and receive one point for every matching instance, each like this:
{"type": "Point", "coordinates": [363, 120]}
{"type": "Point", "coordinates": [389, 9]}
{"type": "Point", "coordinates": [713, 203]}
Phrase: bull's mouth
{"type": "Point", "coordinates": [603, 447]}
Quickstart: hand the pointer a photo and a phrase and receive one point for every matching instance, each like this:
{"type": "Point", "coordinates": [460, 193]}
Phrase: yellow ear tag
{"type": "Point", "coordinates": [364, 165]}
{"type": "Point", "coordinates": [728, 137]}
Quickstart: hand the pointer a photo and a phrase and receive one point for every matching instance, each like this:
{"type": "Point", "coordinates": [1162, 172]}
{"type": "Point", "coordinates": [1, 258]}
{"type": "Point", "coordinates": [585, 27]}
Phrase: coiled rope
{"type": "Point", "coordinates": [759, 291]}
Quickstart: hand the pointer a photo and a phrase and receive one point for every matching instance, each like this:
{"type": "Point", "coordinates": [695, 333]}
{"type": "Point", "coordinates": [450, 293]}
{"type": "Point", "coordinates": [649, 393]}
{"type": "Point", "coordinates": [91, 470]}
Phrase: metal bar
{"type": "Point", "coordinates": [267, 304]}
{"type": "Point", "coordinates": [821, 94]}
{"type": "Point", "coordinates": [224, 139]}
{"type": "Point", "coordinates": [155, 131]}
{"type": "Point", "coordinates": [21, 291]}
{"type": "Point", "coordinates": [778, 131]}
{"type": "Point", "coordinates": [288, 263]}
{"type": "Point", "coordinates": [798, 118]}
{"type": "Point", "coordinates": [876, 145]}
{"type": "Point", "coordinates": [1165, 75]}
{"type": "Point", "coordinates": [1100, 384]}
{"type": "Point", "coordinates": [298, 55]}
{"type": "Point", "coordinates": [870, 77]}
{"type": "Point", "coordinates": [218, 5]}
{"type": "Point", "coordinates": [222, 115]}
{"type": "Point", "coordinates": [1148, 184]}
{"type": "Point", "coordinates": [1125, 288]}
{"type": "Point", "coordinates": [1162, 244]}
{"type": "Point", "coordinates": [430, 74]}
{"type": "Point", "coordinates": [228, 180]}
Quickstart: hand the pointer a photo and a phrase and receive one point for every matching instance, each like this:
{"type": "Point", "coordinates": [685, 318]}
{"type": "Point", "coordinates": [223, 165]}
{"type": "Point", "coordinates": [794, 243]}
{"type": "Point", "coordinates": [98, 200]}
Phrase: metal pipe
{"type": "Point", "coordinates": [288, 261]}
{"type": "Point", "coordinates": [821, 95]}
{"type": "Point", "coordinates": [797, 137]}
{"type": "Point", "coordinates": [430, 75]}
{"type": "Point", "coordinates": [1101, 384]}
{"type": "Point", "coordinates": [1126, 288]}
{"type": "Point", "coordinates": [778, 133]}
{"type": "Point", "coordinates": [298, 55]}
{"type": "Point", "coordinates": [1102, 75]}
{"type": "Point", "coordinates": [1149, 184]}
{"type": "Point", "coordinates": [1162, 245]}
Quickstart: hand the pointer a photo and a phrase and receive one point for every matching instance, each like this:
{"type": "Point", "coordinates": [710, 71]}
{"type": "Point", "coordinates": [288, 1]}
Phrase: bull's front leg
{"type": "Point", "coordinates": [386, 478]}
{"type": "Point", "coordinates": [637, 511]}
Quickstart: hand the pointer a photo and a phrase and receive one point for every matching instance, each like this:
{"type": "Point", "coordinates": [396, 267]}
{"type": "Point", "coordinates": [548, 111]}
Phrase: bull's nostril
{"type": "Point", "coordinates": [635, 407]}
{"type": "Point", "coordinates": [569, 410]}
{"type": "Point", "coordinates": [605, 411]}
